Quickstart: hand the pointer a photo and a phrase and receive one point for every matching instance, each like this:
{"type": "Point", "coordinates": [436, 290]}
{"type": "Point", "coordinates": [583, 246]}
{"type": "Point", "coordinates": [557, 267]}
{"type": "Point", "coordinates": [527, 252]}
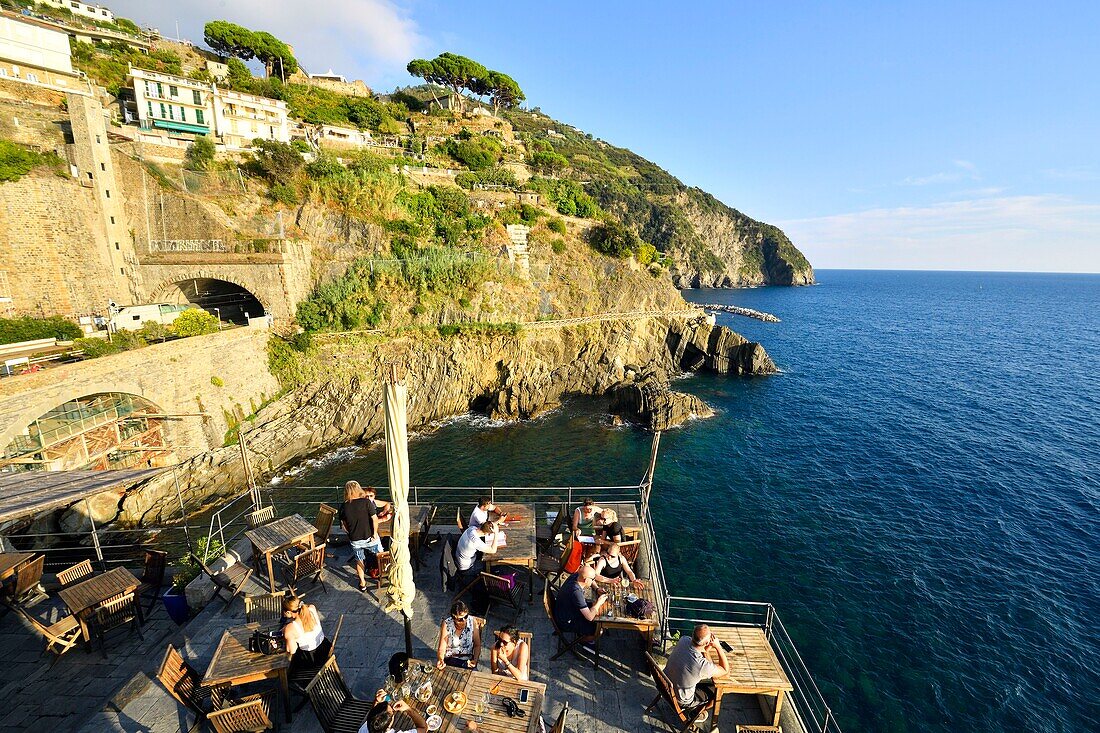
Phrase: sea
{"type": "Point", "coordinates": [917, 491]}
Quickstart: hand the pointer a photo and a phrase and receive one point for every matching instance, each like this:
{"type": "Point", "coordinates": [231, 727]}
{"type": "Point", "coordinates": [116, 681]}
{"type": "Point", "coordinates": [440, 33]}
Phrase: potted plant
{"type": "Point", "coordinates": [175, 599]}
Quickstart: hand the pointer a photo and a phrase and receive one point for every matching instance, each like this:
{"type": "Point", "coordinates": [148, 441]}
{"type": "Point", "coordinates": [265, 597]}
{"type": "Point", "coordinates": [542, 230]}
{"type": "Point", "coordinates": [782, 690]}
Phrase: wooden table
{"type": "Point", "coordinates": [83, 597]}
{"type": "Point", "coordinates": [520, 550]}
{"type": "Point", "coordinates": [619, 618]}
{"type": "Point", "coordinates": [475, 685]}
{"type": "Point", "coordinates": [274, 537]}
{"type": "Point", "coordinates": [754, 669]}
{"type": "Point", "coordinates": [10, 562]}
{"type": "Point", "coordinates": [233, 664]}
{"type": "Point", "coordinates": [418, 519]}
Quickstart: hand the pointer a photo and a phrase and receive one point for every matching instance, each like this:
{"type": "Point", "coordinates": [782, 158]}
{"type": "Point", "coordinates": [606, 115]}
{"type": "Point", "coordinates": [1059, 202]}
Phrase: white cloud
{"type": "Point", "coordinates": [371, 40]}
{"type": "Point", "coordinates": [1023, 233]}
{"type": "Point", "coordinates": [963, 170]}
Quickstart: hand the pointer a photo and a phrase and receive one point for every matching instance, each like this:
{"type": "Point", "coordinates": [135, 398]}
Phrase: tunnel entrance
{"type": "Point", "coordinates": [231, 302]}
{"type": "Point", "coordinates": [101, 431]}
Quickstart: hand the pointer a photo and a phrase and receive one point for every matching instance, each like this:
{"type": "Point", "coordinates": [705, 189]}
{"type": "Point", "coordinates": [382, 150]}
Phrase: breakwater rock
{"type": "Point", "coordinates": [506, 376]}
{"type": "Point", "coordinates": [652, 404]}
{"type": "Point", "coordinates": [739, 311]}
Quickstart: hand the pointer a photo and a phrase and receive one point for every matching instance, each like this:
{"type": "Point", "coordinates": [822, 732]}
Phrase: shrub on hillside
{"type": "Point", "coordinates": [557, 245]}
{"type": "Point", "coordinates": [14, 330]}
{"type": "Point", "coordinates": [325, 166]}
{"type": "Point", "coordinates": [194, 322]}
{"type": "Point", "coordinates": [548, 163]}
{"type": "Point", "coordinates": [614, 239]}
{"type": "Point", "coordinates": [17, 161]}
{"type": "Point", "coordinates": [120, 341]}
{"type": "Point", "coordinates": [556, 225]}
{"type": "Point", "coordinates": [200, 154]}
{"type": "Point", "coordinates": [476, 153]}
{"type": "Point", "coordinates": [529, 214]}
{"type": "Point", "coordinates": [276, 161]}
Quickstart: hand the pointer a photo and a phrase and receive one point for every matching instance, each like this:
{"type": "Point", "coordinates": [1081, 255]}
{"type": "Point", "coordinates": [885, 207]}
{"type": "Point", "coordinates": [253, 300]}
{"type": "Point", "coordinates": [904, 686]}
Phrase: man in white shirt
{"type": "Point", "coordinates": [480, 514]}
{"type": "Point", "coordinates": [477, 538]}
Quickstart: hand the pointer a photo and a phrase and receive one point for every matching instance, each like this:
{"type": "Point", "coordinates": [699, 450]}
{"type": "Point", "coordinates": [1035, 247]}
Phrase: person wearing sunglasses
{"type": "Point", "coordinates": [380, 719]}
{"type": "Point", "coordinates": [690, 670]}
{"type": "Point", "coordinates": [459, 639]}
{"type": "Point", "coordinates": [305, 640]}
{"type": "Point", "coordinates": [510, 655]}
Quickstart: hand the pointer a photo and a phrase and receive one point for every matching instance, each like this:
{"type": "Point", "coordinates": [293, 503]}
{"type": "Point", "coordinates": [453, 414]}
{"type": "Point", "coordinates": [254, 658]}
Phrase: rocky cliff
{"type": "Point", "coordinates": [512, 376]}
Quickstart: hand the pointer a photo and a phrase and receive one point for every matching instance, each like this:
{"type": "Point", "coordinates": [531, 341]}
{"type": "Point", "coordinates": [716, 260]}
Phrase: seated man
{"type": "Point", "coordinates": [691, 672]}
{"type": "Point", "coordinates": [476, 541]}
{"type": "Point", "coordinates": [380, 718]}
{"type": "Point", "coordinates": [382, 509]}
{"type": "Point", "coordinates": [571, 608]}
{"type": "Point", "coordinates": [481, 512]}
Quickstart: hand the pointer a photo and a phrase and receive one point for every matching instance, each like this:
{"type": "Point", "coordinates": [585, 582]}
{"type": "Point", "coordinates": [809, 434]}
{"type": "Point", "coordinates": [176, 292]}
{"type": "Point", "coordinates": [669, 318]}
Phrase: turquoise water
{"type": "Point", "coordinates": [918, 492]}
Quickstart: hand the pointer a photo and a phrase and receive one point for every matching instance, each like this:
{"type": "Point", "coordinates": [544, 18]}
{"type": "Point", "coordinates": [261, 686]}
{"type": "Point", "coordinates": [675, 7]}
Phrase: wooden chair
{"type": "Point", "coordinates": [266, 608]}
{"type": "Point", "coordinates": [232, 579]}
{"type": "Point", "coordinates": [559, 724]}
{"type": "Point", "coordinates": [260, 517]}
{"type": "Point", "coordinates": [564, 645]}
{"type": "Point", "coordinates": [666, 692]}
{"type": "Point", "coordinates": [326, 515]}
{"type": "Point", "coordinates": [337, 710]}
{"type": "Point", "coordinates": [630, 550]}
{"type": "Point", "coordinates": [184, 683]}
{"type": "Point", "coordinates": [460, 520]}
{"type": "Point", "coordinates": [310, 562]}
{"type": "Point", "coordinates": [152, 577]}
{"type": "Point", "coordinates": [759, 729]}
{"type": "Point", "coordinates": [548, 537]}
{"type": "Point", "coordinates": [115, 613]}
{"type": "Point", "coordinates": [448, 570]}
{"type": "Point", "coordinates": [550, 566]}
{"type": "Point", "coordinates": [60, 636]}
{"type": "Point", "coordinates": [503, 592]}
{"type": "Point", "coordinates": [301, 677]}
{"type": "Point", "coordinates": [247, 717]}
{"type": "Point", "coordinates": [26, 587]}
{"type": "Point", "coordinates": [383, 562]}
{"type": "Point", "coordinates": [426, 540]}
{"type": "Point", "coordinates": [75, 573]}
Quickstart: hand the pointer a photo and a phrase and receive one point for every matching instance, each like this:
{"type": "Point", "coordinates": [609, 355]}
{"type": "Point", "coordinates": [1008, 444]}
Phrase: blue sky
{"type": "Point", "coordinates": [934, 136]}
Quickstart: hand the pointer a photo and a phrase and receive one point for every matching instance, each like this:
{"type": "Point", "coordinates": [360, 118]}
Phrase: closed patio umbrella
{"type": "Point", "coordinates": [401, 590]}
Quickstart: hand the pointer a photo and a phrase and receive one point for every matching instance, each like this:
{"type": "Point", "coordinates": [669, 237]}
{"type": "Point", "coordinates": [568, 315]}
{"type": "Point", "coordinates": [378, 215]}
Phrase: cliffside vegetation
{"type": "Point", "coordinates": [18, 160]}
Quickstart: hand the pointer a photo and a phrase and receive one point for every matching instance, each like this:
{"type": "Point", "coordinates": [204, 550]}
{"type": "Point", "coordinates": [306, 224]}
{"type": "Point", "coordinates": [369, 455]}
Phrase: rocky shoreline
{"type": "Point", "coordinates": [505, 376]}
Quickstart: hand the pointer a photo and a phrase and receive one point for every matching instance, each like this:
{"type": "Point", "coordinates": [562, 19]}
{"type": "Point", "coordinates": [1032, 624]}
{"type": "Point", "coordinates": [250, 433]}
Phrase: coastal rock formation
{"type": "Point", "coordinates": [654, 405]}
{"type": "Point", "coordinates": [730, 249]}
{"type": "Point", "coordinates": [508, 376]}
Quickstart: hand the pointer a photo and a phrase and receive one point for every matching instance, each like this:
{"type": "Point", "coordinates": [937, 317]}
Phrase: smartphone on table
{"type": "Point", "coordinates": [524, 694]}
{"type": "Point", "coordinates": [725, 646]}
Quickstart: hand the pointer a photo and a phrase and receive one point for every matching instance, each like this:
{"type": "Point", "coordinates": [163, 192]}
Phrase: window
{"type": "Point", "coordinates": [89, 175]}
{"type": "Point", "coordinates": [173, 91]}
{"type": "Point", "coordinates": [160, 89]}
{"type": "Point", "coordinates": [163, 114]}
{"type": "Point", "coordinates": [4, 72]}
{"type": "Point", "coordinates": [112, 220]}
{"type": "Point", "coordinates": [116, 246]}
{"type": "Point", "coordinates": [98, 140]}
{"type": "Point", "coordinates": [32, 77]}
{"type": "Point", "coordinates": [199, 117]}
{"type": "Point", "coordinates": [103, 167]}
{"type": "Point", "coordinates": [108, 193]}
{"type": "Point", "coordinates": [171, 112]}
{"type": "Point", "coordinates": [150, 108]}
{"type": "Point", "coordinates": [197, 96]}
{"type": "Point", "coordinates": [149, 90]}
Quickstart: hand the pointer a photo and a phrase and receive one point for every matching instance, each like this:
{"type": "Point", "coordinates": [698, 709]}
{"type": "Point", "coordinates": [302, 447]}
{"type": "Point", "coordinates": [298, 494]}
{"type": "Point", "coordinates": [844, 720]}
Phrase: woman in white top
{"type": "Point", "coordinates": [305, 640]}
{"type": "Point", "coordinates": [511, 655]}
{"type": "Point", "coordinates": [459, 639]}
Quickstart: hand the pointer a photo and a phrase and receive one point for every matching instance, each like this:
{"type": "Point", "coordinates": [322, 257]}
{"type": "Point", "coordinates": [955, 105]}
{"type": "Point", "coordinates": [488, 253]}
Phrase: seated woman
{"type": "Point", "coordinates": [584, 518]}
{"type": "Point", "coordinates": [611, 567]}
{"type": "Point", "coordinates": [607, 526]}
{"type": "Point", "coordinates": [305, 640]}
{"type": "Point", "coordinates": [459, 639]}
{"type": "Point", "coordinates": [510, 655]}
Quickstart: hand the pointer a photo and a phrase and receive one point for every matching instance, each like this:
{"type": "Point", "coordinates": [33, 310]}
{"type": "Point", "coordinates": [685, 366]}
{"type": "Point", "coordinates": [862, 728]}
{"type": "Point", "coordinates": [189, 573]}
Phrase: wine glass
{"type": "Point", "coordinates": [480, 706]}
{"type": "Point", "coordinates": [390, 685]}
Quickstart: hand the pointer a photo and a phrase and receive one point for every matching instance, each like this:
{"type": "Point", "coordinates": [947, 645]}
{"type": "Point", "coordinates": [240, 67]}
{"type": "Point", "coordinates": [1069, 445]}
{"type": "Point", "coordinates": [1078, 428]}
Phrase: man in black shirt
{"type": "Point", "coordinates": [359, 519]}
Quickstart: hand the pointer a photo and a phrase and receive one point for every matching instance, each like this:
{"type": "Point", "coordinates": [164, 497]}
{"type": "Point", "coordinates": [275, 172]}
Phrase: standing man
{"type": "Point", "coordinates": [358, 517]}
{"type": "Point", "coordinates": [571, 608]}
{"type": "Point", "coordinates": [691, 672]}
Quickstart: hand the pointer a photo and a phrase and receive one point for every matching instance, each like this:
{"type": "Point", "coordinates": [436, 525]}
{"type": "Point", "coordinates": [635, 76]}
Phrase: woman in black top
{"type": "Point", "coordinates": [611, 566]}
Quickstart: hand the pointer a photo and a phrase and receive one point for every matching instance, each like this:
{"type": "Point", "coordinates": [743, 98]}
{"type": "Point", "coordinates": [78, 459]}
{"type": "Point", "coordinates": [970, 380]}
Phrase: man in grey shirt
{"type": "Point", "coordinates": [690, 670]}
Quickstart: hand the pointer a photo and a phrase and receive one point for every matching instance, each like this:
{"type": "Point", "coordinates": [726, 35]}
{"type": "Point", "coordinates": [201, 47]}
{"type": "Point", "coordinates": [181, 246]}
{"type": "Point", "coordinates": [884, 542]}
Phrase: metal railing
{"type": "Point", "coordinates": [814, 714]}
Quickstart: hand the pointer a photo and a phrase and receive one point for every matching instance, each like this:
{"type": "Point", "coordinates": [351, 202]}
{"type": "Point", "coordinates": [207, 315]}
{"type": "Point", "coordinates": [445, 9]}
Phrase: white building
{"type": "Point", "coordinates": [35, 53]}
{"type": "Point", "coordinates": [177, 104]}
{"type": "Point", "coordinates": [241, 118]}
{"type": "Point", "coordinates": [86, 10]}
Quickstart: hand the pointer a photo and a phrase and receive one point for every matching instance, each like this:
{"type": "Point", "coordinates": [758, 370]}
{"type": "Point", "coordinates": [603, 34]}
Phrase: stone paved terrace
{"type": "Point", "coordinates": [82, 692]}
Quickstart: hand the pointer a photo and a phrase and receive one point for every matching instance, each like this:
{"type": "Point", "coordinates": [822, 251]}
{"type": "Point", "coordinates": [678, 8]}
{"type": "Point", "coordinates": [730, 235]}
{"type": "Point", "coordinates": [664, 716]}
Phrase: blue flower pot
{"type": "Point", "coordinates": [175, 603]}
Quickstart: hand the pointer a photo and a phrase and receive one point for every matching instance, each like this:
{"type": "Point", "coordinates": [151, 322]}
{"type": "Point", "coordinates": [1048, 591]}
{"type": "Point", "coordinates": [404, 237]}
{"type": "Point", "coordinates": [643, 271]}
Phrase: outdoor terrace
{"type": "Point", "coordinates": [87, 693]}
